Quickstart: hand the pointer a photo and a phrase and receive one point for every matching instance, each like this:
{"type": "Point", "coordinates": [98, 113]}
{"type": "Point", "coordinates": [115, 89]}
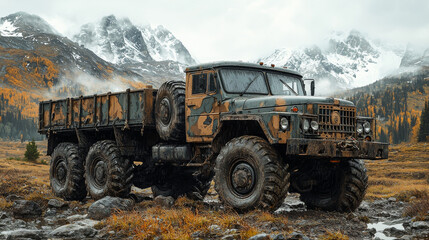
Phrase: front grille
{"type": "Point", "coordinates": [345, 127]}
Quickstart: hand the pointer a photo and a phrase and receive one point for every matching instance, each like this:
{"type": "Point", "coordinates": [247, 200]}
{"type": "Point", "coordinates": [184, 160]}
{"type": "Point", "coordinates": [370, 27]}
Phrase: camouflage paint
{"type": "Point", "coordinates": [202, 111]}
{"type": "Point", "coordinates": [123, 109]}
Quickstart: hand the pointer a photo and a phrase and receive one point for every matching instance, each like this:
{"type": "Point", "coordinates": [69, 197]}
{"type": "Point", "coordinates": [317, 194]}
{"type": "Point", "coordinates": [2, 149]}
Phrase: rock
{"type": "Point", "coordinates": [3, 215]}
{"type": "Point", "coordinates": [55, 203]}
{"type": "Point", "coordinates": [50, 212]}
{"type": "Point", "coordinates": [104, 207]}
{"type": "Point", "coordinates": [412, 198]}
{"type": "Point", "coordinates": [13, 197]}
{"type": "Point", "coordinates": [260, 236]}
{"type": "Point", "coordinates": [76, 217]}
{"type": "Point", "coordinates": [24, 208]}
{"type": "Point", "coordinates": [139, 198]}
{"type": "Point", "coordinates": [197, 234]}
{"type": "Point", "coordinates": [164, 201]}
{"type": "Point", "coordinates": [420, 225]}
{"type": "Point", "coordinates": [78, 230]}
{"type": "Point", "coordinates": [364, 206]}
{"type": "Point", "coordinates": [297, 236]}
{"type": "Point", "coordinates": [394, 232]}
{"type": "Point", "coordinates": [74, 231]}
{"type": "Point", "coordinates": [391, 199]}
{"type": "Point", "coordinates": [372, 231]}
{"type": "Point", "coordinates": [23, 234]}
{"type": "Point", "coordinates": [230, 231]}
{"type": "Point", "coordinates": [215, 229]}
{"type": "Point", "coordinates": [278, 236]}
{"type": "Point", "coordinates": [230, 237]}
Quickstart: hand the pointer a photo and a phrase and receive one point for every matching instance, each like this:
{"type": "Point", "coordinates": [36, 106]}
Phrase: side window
{"type": "Point", "coordinates": [199, 83]}
{"type": "Point", "coordinates": [212, 84]}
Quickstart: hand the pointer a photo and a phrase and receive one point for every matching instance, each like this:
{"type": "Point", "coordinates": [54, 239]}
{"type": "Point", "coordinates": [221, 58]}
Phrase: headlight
{"type": "Point", "coordinates": [305, 125]}
{"type": "Point", "coordinates": [359, 128]}
{"type": "Point", "coordinates": [367, 127]}
{"type": "Point", "coordinates": [314, 125]}
{"type": "Point", "coordinates": [284, 123]}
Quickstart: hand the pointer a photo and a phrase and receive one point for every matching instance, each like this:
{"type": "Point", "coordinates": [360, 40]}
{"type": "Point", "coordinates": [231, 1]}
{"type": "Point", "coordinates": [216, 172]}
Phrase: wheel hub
{"type": "Point", "coordinates": [165, 111]}
{"type": "Point", "coordinates": [243, 178]}
{"type": "Point", "coordinates": [61, 172]}
{"type": "Point", "coordinates": [100, 173]}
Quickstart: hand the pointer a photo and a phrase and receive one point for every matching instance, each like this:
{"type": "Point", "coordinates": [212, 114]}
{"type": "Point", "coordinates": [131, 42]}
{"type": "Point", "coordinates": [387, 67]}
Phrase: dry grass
{"type": "Point", "coordinates": [148, 221]}
{"type": "Point", "coordinates": [334, 236]}
{"type": "Point", "coordinates": [16, 150]}
{"type": "Point", "coordinates": [26, 179]}
{"type": "Point", "coordinates": [418, 209]}
{"type": "Point", "coordinates": [4, 204]}
{"type": "Point", "coordinates": [403, 175]}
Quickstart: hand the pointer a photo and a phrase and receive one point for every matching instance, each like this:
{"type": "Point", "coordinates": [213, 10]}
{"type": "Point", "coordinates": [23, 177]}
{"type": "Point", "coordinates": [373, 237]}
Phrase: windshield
{"type": "Point", "coordinates": [281, 84]}
{"type": "Point", "coordinates": [243, 81]}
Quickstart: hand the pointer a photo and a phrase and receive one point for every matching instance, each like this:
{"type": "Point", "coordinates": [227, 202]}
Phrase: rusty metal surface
{"type": "Point", "coordinates": [123, 109]}
{"type": "Point", "coordinates": [337, 148]}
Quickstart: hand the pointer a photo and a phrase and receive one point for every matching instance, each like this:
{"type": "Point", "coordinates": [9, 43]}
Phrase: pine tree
{"type": "Point", "coordinates": [32, 154]}
{"type": "Point", "coordinates": [424, 124]}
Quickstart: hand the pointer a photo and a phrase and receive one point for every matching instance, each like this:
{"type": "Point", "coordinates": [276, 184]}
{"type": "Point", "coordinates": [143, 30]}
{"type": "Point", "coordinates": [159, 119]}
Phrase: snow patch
{"type": "Point", "coordinates": [7, 29]}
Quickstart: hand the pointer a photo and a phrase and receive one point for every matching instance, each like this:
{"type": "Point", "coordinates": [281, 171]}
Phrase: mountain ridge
{"type": "Point", "coordinates": [342, 62]}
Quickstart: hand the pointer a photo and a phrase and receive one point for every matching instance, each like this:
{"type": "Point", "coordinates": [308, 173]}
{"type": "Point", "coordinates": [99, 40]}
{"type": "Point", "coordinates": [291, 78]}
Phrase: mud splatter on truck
{"type": "Point", "coordinates": [252, 128]}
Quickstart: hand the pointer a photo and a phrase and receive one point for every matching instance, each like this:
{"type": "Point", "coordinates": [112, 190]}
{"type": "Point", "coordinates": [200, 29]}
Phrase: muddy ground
{"type": "Point", "coordinates": [394, 186]}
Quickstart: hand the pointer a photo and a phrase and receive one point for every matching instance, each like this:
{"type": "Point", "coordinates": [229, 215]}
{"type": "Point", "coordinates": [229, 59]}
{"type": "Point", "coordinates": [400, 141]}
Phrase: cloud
{"type": "Point", "coordinates": [245, 30]}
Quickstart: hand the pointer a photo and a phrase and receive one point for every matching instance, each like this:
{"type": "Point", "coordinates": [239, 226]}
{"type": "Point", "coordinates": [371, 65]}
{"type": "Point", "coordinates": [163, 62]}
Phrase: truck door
{"type": "Point", "coordinates": [202, 106]}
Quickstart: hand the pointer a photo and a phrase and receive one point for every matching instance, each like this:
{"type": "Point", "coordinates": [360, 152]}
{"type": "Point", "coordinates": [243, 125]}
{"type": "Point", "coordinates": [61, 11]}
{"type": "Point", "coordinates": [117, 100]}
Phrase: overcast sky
{"type": "Point", "coordinates": [244, 29]}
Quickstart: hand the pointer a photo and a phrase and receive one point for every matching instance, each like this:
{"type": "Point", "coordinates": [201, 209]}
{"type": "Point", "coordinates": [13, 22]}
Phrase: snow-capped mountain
{"type": "Point", "coordinates": [346, 61]}
{"type": "Point", "coordinates": [163, 45]}
{"type": "Point", "coordinates": [414, 57]}
{"type": "Point", "coordinates": [23, 24]}
{"type": "Point", "coordinates": [120, 41]}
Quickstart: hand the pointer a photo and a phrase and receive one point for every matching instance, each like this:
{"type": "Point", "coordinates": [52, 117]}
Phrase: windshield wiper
{"type": "Point", "coordinates": [248, 85]}
{"type": "Point", "coordinates": [281, 80]}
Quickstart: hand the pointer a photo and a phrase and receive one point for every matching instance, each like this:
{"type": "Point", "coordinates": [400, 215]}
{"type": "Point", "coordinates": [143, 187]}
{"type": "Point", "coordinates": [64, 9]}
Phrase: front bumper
{"type": "Point", "coordinates": [337, 148]}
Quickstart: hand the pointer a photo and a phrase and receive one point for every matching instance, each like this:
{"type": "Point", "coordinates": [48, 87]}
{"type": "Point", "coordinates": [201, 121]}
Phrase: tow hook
{"type": "Point", "coordinates": [348, 144]}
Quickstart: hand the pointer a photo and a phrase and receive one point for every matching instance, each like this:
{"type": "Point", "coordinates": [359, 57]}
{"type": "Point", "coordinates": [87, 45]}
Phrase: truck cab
{"type": "Point", "coordinates": [274, 104]}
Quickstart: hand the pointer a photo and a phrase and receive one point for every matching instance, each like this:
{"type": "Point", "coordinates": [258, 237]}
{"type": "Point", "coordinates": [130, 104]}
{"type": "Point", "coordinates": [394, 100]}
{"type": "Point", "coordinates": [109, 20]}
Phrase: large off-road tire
{"type": "Point", "coordinates": [107, 173]}
{"type": "Point", "coordinates": [170, 111]}
{"type": "Point", "coordinates": [340, 186]}
{"type": "Point", "coordinates": [249, 174]}
{"type": "Point", "coordinates": [193, 187]}
{"type": "Point", "coordinates": [67, 172]}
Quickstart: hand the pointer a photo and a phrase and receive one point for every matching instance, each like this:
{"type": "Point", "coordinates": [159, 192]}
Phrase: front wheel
{"type": "Point", "coordinates": [339, 186]}
{"type": "Point", "coordinates": [249, 174]}
{"type": "Point", "coordinates": [106, 172]}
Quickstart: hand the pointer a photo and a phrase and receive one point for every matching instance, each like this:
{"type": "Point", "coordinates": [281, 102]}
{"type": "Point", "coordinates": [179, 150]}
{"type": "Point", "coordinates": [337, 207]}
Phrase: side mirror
{"type": "Point", "coordinates": [312, 85]}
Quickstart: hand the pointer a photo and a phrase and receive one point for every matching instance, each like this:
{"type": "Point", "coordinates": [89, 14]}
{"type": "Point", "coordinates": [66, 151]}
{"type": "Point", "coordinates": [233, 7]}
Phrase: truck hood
{"type": "Point", "coordinates": [277, 101]}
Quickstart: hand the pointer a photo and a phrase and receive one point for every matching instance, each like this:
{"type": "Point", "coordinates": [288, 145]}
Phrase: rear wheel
{"type": "Point", "coordinates": [339, 186]}
{"type": "Point", "coordinates": [249, 174]}
{"type": "Point", "coordinates": [67, 172]}
{"type": "Point", "coordinates": [106, 172]}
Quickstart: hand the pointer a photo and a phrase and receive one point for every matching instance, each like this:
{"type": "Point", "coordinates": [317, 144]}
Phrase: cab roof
{"type": "Point", "coordinates": [212, 65]}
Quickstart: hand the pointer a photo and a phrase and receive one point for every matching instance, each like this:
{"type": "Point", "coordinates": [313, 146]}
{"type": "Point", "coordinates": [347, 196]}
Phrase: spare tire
{"type": "Point", "coordinates": [170, 111]}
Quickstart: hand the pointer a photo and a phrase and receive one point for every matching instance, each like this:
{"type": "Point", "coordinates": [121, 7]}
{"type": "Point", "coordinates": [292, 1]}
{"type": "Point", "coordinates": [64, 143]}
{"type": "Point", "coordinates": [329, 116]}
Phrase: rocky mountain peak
{"type": "Point", "coordinates": [24, 24]}
{"type": "Point", "coordinates": [122, 42]}
{"type": "Point", "coordinates": [415, 56]}
{"type": "Point", "coordinates": [348, 60]}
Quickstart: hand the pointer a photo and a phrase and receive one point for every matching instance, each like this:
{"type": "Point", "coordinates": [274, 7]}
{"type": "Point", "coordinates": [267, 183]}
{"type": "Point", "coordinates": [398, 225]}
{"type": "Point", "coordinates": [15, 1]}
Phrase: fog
{"type": "Point", "coordinates": [241, 29]}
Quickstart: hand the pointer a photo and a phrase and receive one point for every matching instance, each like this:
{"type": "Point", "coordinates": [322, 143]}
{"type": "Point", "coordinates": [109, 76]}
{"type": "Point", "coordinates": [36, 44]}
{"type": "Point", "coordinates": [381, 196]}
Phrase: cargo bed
{"type": "Point", "coordinates": [128, 109]}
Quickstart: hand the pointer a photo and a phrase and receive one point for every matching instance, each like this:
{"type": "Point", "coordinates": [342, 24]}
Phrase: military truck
{"type": "Point", "coordinates": [252, 128]}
